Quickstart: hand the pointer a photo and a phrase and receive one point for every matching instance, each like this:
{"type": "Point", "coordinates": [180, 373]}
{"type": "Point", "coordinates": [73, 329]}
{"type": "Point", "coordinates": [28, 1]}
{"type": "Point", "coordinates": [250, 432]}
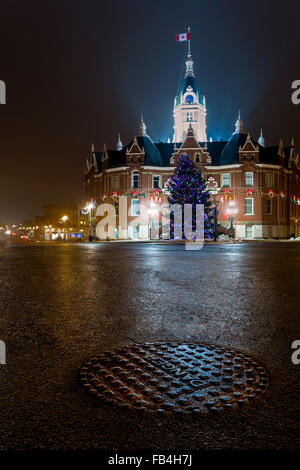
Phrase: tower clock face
{"type": "Point", "coordinates": [189, 98]}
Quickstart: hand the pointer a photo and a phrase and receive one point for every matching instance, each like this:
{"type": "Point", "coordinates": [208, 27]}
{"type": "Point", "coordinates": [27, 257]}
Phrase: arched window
{"type": "Point", "coordinates": [135, 179]}
{"type": "Point", "coordinates": [197, 158]}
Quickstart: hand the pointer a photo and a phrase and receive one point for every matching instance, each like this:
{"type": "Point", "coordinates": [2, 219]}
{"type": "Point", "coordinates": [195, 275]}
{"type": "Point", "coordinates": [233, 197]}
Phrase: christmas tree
{"type": "Point", "coordinates": [187, 186]}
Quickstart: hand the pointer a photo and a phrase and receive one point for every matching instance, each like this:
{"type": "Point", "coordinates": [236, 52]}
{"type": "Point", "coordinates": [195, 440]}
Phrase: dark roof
{"type": "Point", "coordinates": [98, 156]}
{"type": "Point", "coordinates": [152, 155]}
{"type": "Point", "coordinates": [269, 154]}
{"type": "Point", "coordinates": [116, 158]}
{"type": "Point", "coordinates": [166, 150]}
{"type": "Point", "coordinates": [230, 153]}
{"type": "Point", "coordinates": [221, 152]}
{"type": "Point", "coordinates": [189, 81]}
{"type": "Point", "coordinates": [215, 151]}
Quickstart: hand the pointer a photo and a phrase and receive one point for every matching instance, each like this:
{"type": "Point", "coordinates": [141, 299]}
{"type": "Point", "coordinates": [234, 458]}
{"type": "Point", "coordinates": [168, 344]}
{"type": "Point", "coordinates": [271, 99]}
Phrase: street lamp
{"type": "Point", "coordinates": [87, 209]}
{"type": "Point", "coordinates": [64, 219]}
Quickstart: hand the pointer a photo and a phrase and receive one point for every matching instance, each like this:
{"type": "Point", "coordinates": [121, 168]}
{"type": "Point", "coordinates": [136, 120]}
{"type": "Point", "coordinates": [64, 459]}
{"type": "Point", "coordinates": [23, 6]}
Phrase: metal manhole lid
{"type": "Point", "coordinates": [179, 377]}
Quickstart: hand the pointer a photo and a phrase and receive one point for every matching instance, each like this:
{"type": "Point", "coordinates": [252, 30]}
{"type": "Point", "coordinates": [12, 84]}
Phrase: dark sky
{"type": "Point", "coordinates": [78, 72]}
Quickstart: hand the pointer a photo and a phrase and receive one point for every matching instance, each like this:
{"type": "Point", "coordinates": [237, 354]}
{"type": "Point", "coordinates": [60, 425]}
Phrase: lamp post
{"type": "Point", "coordinates": [87, 209]}
{"type": "Point", "coordinates": [216, 221]}
{"type": "Point", "coordinates": [64, 219]}
{"type": "Point", "coordinates": [215, 204]}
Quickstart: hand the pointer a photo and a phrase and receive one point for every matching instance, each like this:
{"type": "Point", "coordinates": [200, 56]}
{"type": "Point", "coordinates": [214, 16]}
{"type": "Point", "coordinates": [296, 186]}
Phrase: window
{"type": "Point", "coordinates": [269, 206]}
{"type": "Point", "coordinates": [269, 180]}
{"type": "Point", "coordinates": [135, 179]}
{"type": "Point", "coordinates": [226, 179]}
{"type": "Point", "coordinates": [249, 231]}
{"type": "Point", "coordinates": [249, 178]}
{"type": "Point", "coordinates": [136, 232]}
{"type": "Point", "coordinates": [115, 182]}
{"type": "Point", "coordinates": [189, 116]}
{"type": "Point", "coordinates": [197, 158]}
{"type": "Point", "coordinates": [248, 206]}
{"type": "Point", "coordinates": [156, 181]}
{"type": "Point", "coordinates": [135, 207]}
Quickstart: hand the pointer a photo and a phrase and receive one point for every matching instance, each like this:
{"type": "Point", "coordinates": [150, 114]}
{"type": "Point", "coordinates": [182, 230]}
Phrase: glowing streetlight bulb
{"type": "Point", "coordinates": [64, 218]}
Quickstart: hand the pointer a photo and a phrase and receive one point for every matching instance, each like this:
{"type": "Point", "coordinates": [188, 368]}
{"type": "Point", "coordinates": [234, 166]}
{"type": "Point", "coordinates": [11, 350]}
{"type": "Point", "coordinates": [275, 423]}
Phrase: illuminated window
{"type": "Point", "coordinates": [269, 206]}
{"type": "Point", "coordinates": [249, 178]}
{"type": "Point", "coordinates": [226, 180]}
{"type": "Point", "coordinates": [249, 231]}
{"type": "Point", "coordinates": [269, 180]}
{"type": "Point", "coordinates": [248, 206]}
{"type": "Point", "coordinates": [135, 179]}
{"type": "Point", "coordinates": [135, 207]}
{"type": "Point", "coordinates": [135, 231]}
{"type": "Point", "coordinates": [156, 181]}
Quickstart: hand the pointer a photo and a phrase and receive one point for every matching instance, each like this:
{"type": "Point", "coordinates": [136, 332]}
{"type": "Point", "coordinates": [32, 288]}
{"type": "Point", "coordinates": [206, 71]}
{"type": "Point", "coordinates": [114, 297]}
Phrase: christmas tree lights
{"type": "Point", "coordinates": [187, 186]}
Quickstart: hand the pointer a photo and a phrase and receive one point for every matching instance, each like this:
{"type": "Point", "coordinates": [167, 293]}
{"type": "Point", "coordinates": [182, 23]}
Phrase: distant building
{"type": "Point", "coordinates": [53, 214]}
{"type": "Point", "coordinates": [255, 187]}
{"type": "Point", "coordinates": [57, 222]}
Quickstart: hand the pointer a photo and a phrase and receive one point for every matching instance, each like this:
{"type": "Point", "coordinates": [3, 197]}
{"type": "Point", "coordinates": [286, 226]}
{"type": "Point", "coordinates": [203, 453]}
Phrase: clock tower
{"type": "Point", "coordinates": [189, 106]}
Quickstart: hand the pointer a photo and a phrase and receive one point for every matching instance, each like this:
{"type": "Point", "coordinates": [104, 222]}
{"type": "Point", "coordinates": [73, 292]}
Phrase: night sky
{"type": "Point", "coordinates": [78, 72]}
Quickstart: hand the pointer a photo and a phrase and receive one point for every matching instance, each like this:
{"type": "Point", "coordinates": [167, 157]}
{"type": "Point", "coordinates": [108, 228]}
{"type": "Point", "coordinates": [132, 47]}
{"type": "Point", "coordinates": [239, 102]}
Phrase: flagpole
{"type": "Point", "coordinates": [189, 41]}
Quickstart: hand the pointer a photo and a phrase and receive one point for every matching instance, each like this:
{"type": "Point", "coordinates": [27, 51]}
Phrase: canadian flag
{"type": "Point", "coordinates": [183, 37]}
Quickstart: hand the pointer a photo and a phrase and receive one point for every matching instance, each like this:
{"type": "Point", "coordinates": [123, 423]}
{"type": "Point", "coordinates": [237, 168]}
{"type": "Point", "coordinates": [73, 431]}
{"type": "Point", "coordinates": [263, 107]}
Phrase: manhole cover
{"type": "Point", "coordinates": [176, 377]}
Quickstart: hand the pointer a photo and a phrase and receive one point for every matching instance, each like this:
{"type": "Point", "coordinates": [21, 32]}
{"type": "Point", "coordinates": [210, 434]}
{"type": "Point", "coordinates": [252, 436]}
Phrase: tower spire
{"type": "Point", "coordinates": [142, 128]}
{"type": "Point", "coordinates": [119, 144]}
{"type": "Point", "coordinates": [261, 139]}
{"type": "Point", "coordinates": [239, 126]}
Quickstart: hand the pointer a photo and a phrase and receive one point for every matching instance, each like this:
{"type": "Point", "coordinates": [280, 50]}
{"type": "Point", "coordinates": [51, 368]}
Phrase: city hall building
{"type": "Point", "coordinates": [256, 188]}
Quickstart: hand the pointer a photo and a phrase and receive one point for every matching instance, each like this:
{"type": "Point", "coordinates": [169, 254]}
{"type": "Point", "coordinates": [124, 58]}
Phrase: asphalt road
{"type": "Point", "coordinates": [60, 305]}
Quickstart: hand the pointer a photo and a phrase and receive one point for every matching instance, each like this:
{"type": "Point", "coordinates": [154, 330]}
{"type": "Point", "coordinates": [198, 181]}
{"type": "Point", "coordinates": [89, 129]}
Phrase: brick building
{"type": "Point", "coordinates": [255, 187]}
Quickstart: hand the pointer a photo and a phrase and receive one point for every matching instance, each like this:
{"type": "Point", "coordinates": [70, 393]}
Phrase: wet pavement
{"type": "Point", "coordinates": [61, 305]}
